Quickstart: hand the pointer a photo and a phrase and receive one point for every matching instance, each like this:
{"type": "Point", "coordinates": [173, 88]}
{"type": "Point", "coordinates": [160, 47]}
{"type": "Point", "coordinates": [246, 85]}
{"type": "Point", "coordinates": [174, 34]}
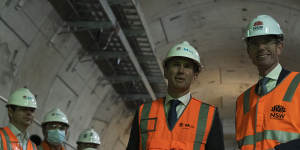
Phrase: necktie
{"type": "Point", "coordinates": [263, 88]}
{"type": "Point", "coordinates": [172, 114]}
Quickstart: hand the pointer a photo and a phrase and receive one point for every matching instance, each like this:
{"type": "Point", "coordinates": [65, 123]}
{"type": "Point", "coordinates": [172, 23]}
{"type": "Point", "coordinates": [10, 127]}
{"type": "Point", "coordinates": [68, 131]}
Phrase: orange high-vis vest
{"type": "Point", "coordinates": [11, 142]}
{"type": "Point", "coordinates": [189, 133]}
{"type": "Point", "coordinates": [45, 146]}
{"type": "Point", "coordinates": [262, 122]}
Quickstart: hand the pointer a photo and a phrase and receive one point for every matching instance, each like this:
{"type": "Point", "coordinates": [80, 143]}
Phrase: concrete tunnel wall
{"type": "Point", "coordinates": [32, 54]}
{"type": "Point", "coordinates": [53, 65]}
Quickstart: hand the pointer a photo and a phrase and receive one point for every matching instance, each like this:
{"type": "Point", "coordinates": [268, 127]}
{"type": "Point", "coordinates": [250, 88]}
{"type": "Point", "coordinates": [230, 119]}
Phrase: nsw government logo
{"type": "Point", "coordinates": [278, 112]}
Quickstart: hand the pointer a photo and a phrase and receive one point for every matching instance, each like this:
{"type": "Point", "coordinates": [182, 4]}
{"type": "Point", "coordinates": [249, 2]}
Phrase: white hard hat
{"type": "Point", "coordinates": [263, 25]}
{"type": "Point", "coordinates": [89, 148]}
{"type": "Point", "coordinates": [55, 115]}
{"type": "Point", "coordinates": [22, 97]}
{"type": "Point", "coordinates": [184, 49]}
{"type": "Point", "coordinates": [89, 136]}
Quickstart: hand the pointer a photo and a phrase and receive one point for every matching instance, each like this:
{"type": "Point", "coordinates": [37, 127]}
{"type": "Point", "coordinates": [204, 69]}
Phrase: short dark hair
{"type": "Point", "coordinates": [13, 107]}
{"type": "Point", "coordinates": [197, 69]}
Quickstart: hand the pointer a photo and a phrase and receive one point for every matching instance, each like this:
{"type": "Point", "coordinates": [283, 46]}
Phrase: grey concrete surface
{"type": "Point", "coordinates": [35, 54]}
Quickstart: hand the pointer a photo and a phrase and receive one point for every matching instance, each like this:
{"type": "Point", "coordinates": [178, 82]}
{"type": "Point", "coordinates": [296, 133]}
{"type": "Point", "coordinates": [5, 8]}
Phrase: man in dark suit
{"type": "Point", "coordinates": [267, 114]}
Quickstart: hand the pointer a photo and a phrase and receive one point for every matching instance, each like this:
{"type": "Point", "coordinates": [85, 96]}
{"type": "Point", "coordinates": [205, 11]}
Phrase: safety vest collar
{"type": "Point", "coordinates": [144, 124]}
{"type": "Point", "coordinates": [45, 146]}
{"type": "Point", "coordinates": [200, 130]}
{"type": "Point", "coordinates": [287, 97]}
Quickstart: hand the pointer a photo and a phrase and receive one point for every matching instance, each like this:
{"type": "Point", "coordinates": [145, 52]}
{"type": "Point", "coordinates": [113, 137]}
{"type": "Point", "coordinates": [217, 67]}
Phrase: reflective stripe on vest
{"type": "Point", "coordinates": [292, 88]}
{"type": "Point", "coordinates": [280, 136]}
{"type": "Point", "coordinates": [5, 140]}
{"type": "Point", "coordinates": [33, 146]}
{"type": "Point", "coordinates": [144, 124]}
{"type": "Point", "coordinates": [8, 141]}
{"type": "Point", "coordinates": [201, 126]}
{"type": "Point", "coordinates": [200, 131]}
{"type": "Point", "coordinates": [247, 101]}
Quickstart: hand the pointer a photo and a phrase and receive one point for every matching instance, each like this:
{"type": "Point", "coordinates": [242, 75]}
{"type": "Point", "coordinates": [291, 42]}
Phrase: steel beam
{"type": "Point", "coordinates": [130, 32]}
{"type": "Point", "coordinates": [91, 24]}
{"type": "Point", "coordinates": [141, 14]}
{"type": "Point", "coordinates": [114, 2]}
{"type": "Point", "coordinates": [109, 54]}
{"type": "Point", "coordinates": [136, 96]}
{"type": "Point", "coordinates": [126, 78]}
{"type": "Point", "coordinates": [140, 96]}
{"type": "Point", "coordinates": [128, 48]}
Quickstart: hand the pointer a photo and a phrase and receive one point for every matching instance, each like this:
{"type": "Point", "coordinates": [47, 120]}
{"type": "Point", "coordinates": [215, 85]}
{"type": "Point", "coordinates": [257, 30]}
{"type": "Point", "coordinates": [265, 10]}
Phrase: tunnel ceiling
{"type": "Point", "coordinates": [216, 27]}
{"type": "Point", "coordinates": [113, 35]}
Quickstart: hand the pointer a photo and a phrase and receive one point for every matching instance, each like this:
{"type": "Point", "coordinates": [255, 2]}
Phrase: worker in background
{"type": "Point", "coordinates": [21, 107]}
{"type": "Point", "coordinates": [267, 114]}
{"type": "Point", "coordinates": [178, 121]}
{"type": "Point", "coordinates": [36, 139]}
{"type": "Point", "coordinates": [88, 138]}
{"type": "Point", "coordinates": [55, 128]}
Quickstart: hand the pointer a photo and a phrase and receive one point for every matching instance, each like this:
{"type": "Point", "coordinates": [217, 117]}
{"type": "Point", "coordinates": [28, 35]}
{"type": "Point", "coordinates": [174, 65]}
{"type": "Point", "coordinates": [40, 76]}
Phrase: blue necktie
{"type": "Point", "coordinates": [172, 114]}
{"type": "Point", "coordinates": [263, 88]}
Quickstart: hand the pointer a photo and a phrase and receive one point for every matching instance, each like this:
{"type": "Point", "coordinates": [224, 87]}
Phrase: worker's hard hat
{"type": "Point", "coordinates": [55, 115]}
{"type": "Point", "coordinates": [89, 136]}
{"type": "Point", "coordinates": [184, 49]}
{"type": "Point", "coordinates": [263, 25]}
{"type": "Point", "coordinates": [22, 97]}
{"type": "Point", "coordinates": [89, 148]}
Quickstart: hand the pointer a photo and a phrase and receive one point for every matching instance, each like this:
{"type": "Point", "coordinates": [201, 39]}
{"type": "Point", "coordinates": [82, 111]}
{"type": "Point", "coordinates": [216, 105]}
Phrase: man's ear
{"type": "Point", "coordinates": [9, 111]}
{"type": "Point", "coordinates": [279, 48]}
{"type": "Point", "coordinates": [196, 75]}
{"type": "Point", "coordinates": [165, 72]}
{"type": "Point", "coordinates": [67, 132]}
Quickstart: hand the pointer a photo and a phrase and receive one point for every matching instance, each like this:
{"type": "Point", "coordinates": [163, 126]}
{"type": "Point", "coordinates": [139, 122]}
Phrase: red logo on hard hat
{"type": "Point", "coordinates": [258, 23]}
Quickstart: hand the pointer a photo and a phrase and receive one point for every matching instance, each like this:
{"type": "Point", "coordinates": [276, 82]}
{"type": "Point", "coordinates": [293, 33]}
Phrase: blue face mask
{"type": "Point", "coordinates": [56, 136]}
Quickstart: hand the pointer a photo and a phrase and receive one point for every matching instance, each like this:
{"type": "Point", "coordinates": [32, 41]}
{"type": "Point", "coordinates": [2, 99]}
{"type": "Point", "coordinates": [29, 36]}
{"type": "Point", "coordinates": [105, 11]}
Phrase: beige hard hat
{"type": "Point", "coordinates": [89, 149]}
{"type": "Point", "coordinates": [55, 115]}
{"type": "Point", "coordinates": [89, 136]}
{"type": "Point", "coordinates": [184, 49]}
{"type": "Point", "coordinates": [22, 97]}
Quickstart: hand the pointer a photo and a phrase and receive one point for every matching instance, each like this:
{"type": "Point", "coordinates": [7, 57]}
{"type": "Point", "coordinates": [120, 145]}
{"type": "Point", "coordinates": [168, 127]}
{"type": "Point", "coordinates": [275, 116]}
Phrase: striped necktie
{"type": "Point", "coordinates": [262, 84]}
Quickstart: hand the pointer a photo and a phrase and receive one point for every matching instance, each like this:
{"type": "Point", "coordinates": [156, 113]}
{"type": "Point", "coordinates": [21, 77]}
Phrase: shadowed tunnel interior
{"type": "Point", "coordinates": [97, 60]}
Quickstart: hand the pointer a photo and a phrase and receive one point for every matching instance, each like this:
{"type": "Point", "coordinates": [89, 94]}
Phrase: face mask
{"type": "Point", "coordinates": [56, 137]}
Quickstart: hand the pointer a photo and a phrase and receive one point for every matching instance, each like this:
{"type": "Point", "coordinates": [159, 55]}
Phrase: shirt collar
{"type": "Point", "coordinates": [16, 131]}
{"type": "Point", "coordinates": [274, 74]}
{"type": "Point", "coordinates": [183, 99]}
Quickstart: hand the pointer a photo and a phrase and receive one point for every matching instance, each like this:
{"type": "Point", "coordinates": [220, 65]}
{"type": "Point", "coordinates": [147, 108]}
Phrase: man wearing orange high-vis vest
{"type": "Point", "coordinates": [178, 121]}
{"type": "Point", "coordinates": [21, 107]}
{"type": "Point", "coordinates": [267, 114]}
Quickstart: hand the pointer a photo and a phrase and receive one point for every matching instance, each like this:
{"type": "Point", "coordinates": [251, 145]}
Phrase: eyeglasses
{"type": "Point", "coordinates": [258, 41]}
{"type": "Point", "coordinates": [56, 126]}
